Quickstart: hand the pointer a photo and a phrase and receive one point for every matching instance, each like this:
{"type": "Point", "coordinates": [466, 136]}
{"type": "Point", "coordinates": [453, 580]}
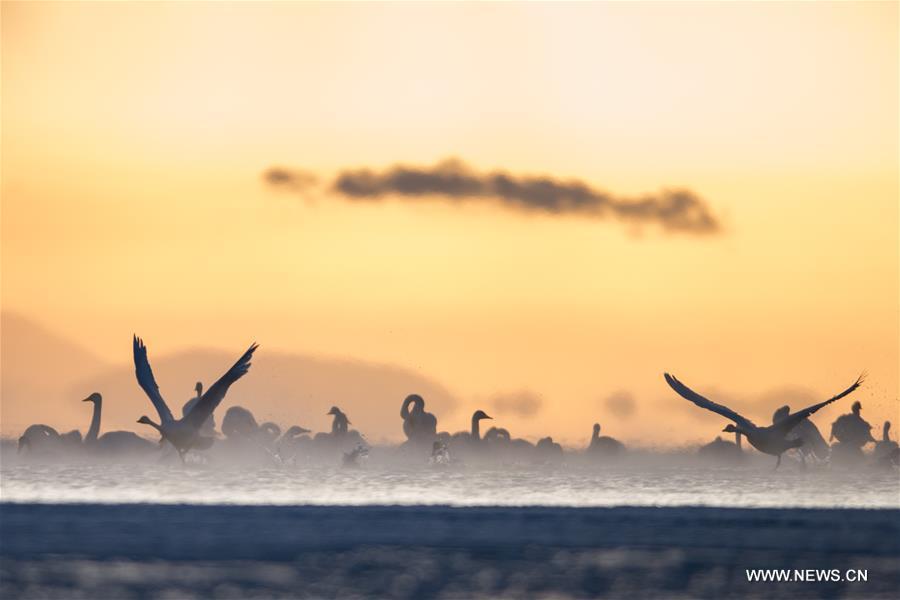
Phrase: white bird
{"type": "Point", "coordinates": [768, 440]}
{"type": "Point", "coordinates": [184, 433]}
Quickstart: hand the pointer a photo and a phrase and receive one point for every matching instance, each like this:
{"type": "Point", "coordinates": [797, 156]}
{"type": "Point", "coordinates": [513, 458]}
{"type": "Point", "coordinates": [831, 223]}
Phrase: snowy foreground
{"type": "Point", "coordinates": [190, 551]}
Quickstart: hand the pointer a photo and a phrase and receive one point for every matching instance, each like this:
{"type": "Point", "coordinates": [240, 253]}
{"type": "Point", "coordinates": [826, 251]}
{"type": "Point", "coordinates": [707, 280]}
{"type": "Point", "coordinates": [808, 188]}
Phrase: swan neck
{"type": "Point", "coordinates": [476, 428]}
{"type": "Point", "coordinates": [94, 430]}
{"type": "Point", "coordinates": [885, 430]}
{"type": "Point", "coordinates": [737, 439]}
{"type": "Point", "coordinates": [404, 410]}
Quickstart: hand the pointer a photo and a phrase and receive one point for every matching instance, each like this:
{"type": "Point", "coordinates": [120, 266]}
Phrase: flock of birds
{"type": "Point", "coordinates": [194, 432]}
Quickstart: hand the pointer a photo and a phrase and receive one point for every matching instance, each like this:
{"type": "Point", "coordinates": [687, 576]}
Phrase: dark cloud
{"type": "Point", "coordinates": [621, 404]}
{"type": "Point", "coordinates": [676, 210]}
{"type": "Point", "coordinates": [290, 178]}
{"type": "Point", "coordinates": [523, 404]}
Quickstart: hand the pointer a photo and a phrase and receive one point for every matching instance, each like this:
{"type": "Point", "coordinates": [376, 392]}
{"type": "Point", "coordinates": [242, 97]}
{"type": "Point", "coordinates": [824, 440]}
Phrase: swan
{"type": "Point", "coordinates": [209, 426]}
{"type": "Point", "coordinates": [474, 434]}
{"type": "Point", "coordinates": [722, 450]}
{"type": "Point", "coordinates": [813, 442]}
{"type": "Point", "coordinates": [886, 450]}
{"type": "Point", "coordinates": [604, 445]}
{"type": "Point", "coordinates": [340, 422]}
{"type": "Point", "coordinates": [341, 436]}
{"type": "Point", "coordinates": [38, 437]}
{"type": "Point", "coordinates": [184, 433]}
{"type": "Point", "coordinates": [292, 442]}
{"type": "Point", "coordinates": [771, 440]}
{"type": "Point", "coordinates": [43, 439]}
{"type": "Point", "coordinates": [239, 423]}
{"type": "Point", "coordinates": [549, 450]}
{"type": "Point", "coordinates": [499, 441]}
{"type": "Point", "coordinates": [112, 441]}
{"type": "Point", "coordinates": [418, 425]}
{"type": "Point", "coordinates": [852, 429]}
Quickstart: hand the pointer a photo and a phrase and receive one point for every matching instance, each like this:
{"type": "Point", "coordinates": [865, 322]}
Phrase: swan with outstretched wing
{"type": "Point", "coordinates": [184, 433]}
{"type": "Point", "coordinates": [768, 440]}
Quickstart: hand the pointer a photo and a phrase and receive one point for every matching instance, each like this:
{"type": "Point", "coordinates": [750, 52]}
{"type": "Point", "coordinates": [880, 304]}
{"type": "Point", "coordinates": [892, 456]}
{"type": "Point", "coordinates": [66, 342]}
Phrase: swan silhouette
{"type": "Point", "coordinates": [887, 451]}
{"type": "Point", "coordinates": [209, 426]}
{"type": "Point", "coordinates": [852, 429]}
{"type": "Point", "coordinates": [39, 438]}
{"type": "Point", "coordinates": [548, 450]}
{"type": "Point", "coordinates": [112, 442]}
{"type": "Point", "coordinates": [604, 445]}
{"type": "Point", "coordinates": [813, 442]}
{"type": "Point", "coordinates": [418, 425]}
{"type": "Point", "coordinates": [341, 436]}
{"type": "Point", "coordinates": [184, 434]}
{"type": "Point", "coordinates": [292, 442]}
{"type": "Point", "coordinates": [771, 440]}
{"type": "Point", "coordinates": [722, 450]}
{"type": "Point", "coordinates": [474, 433]}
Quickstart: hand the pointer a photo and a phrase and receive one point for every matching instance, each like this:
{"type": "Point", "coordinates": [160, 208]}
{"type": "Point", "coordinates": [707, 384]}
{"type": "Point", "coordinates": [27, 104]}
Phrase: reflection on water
{"type": "Point", "coordinates": [660, 485]}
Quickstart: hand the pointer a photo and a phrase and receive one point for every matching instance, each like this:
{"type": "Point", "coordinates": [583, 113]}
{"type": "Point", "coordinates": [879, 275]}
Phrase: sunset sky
{"type": "Point", "coordinates": [135, 137]}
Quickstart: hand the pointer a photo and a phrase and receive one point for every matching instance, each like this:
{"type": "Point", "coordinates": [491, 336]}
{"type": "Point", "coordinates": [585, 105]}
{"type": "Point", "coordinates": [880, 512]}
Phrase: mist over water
{"type": "Point", "coordinates": [650, 480]}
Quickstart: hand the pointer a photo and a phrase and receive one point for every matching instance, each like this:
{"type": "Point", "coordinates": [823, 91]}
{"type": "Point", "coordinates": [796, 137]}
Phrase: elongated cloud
{"type": "Point", "coordinates": [675, 210]}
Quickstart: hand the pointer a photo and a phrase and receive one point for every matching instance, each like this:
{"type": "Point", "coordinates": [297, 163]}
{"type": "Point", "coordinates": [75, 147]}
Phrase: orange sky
{"type": "Point", "coordinates": [134, 136]}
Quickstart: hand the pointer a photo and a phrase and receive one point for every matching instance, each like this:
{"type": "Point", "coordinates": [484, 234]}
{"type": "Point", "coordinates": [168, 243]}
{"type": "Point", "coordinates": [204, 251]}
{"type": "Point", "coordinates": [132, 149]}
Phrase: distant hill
{"type": "Point", "coordinates": [37, 371]}
{"type": "Point", "coordinates": [45, 377]}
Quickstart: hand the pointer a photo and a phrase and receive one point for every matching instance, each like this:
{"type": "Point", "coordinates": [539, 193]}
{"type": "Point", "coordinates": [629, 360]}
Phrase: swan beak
{"type": "Point", "coordinates": [88, 399]}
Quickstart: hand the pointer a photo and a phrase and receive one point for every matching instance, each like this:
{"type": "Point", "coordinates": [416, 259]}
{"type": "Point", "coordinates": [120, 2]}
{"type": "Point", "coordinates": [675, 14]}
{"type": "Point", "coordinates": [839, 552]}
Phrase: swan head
{"type": "Point", "coordinates": [145, 420]}
{"type": "Point", "coordinates": [596, 428]}
{"type": "Point", "coordinates": [731, 428]}
{"type": "Point", "coordinates": [417, 401]}
{"type": "Point", "coordinates": [296, 430]}
{"type": "Point", "coordinates": [857, 406]}
{"type": "Point", "coordinates": [781, 413]}
{"type": "Point", "coordinates": [198, 387]}
{"type": "Point", "coordinates": [480, 414]}
{"type": "Point", "coordinates": [334, 411]}
{"type": "Point", "coordinates": [95, 397]}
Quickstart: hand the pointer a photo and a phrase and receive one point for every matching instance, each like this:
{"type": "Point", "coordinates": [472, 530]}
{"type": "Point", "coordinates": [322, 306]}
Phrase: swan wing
{"type": "Point", "coordinates": [689, 394]}
{"type": "Point", "coordinates": [791, 421]}
{"type": "Point", "coordinates": [216, 392]}
{"type": "Point", "coordinates": [147, 382]}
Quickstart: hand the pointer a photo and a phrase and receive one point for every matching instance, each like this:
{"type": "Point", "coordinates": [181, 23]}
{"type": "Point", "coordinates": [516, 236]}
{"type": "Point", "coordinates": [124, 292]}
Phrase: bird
{"type": "Point", "coordinates": [39, 437]}
{"type": "Point", "coordinates": [813, 442]}
{"type": "Point", "coordinates": [548, 451]}
{"type": "Point", "coordinates": [239, 424]}
{"type": "Point", "coordinates": [112, 442]}
{"type": "Point", "coordinates": [340, 423]}
{"type": "Point", "coordinates": [474, 433]}
{"type": "Point", "coordinates": [722, 450]}
{"type": "Point", "coordinates": [184, 434]}
{"type": "Point", "coordinates": [209, 426]}
{"type": "Point", "coordinates": [851, 428]}
{"type": "Point", "coordinates": [604, 445]}
{"type": "Point", "coordinates": [886, 449]}
{"type": "Point", "coordinates": [772, 439]}
{"type": "Point", "coordinates": [418, 425]}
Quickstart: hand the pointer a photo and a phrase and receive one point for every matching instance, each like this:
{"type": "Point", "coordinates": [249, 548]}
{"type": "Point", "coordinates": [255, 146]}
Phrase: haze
{"type": "Point", "coordinates": [135, 137]}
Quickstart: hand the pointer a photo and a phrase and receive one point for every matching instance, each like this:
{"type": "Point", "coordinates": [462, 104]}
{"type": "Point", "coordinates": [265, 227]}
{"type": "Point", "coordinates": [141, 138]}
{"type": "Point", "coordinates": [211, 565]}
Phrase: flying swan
{"type": "Point", "coordinates": [768, 440]}
{"type": "Point", "coordinates": [184, 433]}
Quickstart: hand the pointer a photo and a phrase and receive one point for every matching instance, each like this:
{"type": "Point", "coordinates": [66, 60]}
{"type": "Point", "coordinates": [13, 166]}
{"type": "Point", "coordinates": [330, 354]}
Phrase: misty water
{"type": "Point", "coordinates": [659, 482]}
